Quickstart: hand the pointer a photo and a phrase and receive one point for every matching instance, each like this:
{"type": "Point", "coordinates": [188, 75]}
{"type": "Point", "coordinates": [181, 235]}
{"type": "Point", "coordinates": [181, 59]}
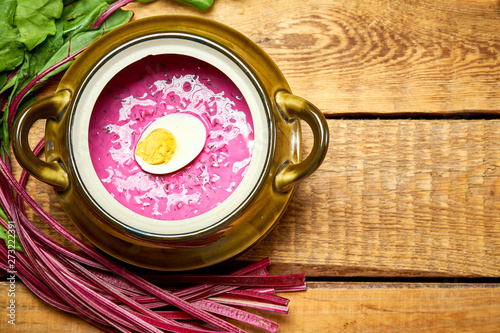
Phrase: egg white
{"type": "Point", "coordinates": [190, 135]}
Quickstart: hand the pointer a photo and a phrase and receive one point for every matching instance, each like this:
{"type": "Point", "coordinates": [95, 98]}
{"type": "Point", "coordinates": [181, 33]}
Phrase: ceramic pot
{"type": "Point", "coordinates": [243, 218]}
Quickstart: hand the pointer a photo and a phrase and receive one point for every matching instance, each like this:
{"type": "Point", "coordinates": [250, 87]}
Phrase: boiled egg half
{"type": "Point", "coordinates": [170, 143]}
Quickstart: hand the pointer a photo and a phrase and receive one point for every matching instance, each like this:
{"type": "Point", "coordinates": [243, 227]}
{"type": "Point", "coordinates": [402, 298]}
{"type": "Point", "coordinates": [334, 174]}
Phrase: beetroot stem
{"type": "Point", "coordinates": [111, 9]}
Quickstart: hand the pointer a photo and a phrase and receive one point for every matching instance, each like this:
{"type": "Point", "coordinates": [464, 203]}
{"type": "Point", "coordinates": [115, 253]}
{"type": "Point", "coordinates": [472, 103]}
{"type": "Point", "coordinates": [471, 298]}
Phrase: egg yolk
{"type": "Point", "coordinates": [157, 148]}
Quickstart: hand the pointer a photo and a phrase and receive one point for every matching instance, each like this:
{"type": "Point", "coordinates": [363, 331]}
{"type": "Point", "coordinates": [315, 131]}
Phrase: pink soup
{"type": "Point", "coordinates": [151, 88]}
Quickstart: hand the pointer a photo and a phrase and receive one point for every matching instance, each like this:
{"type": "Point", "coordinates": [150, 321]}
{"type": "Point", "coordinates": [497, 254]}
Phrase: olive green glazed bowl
{"type": "Point", "coordinates": [245, 217]}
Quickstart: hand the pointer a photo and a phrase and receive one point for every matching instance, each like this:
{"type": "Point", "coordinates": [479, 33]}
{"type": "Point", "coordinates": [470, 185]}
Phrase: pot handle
{"type": "Point", "coordinates": [296, 107]}
{"type": "Point", "coordinates": [48, 172]}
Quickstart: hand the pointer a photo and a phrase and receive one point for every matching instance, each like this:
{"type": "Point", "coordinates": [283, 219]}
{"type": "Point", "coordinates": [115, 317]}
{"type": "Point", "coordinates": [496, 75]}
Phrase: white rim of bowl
{"type": "Point", "coordinates": [84, 108]}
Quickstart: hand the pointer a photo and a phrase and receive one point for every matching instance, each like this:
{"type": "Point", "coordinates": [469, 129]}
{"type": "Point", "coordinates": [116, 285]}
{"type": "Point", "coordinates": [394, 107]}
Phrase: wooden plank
{"type": "Point", "coordinates": [34, 315]}
{"type": "Point", "coordinates": [392, 198]}
{"type": "Point", "coordinates": [324, 307]}
{"type": "Point", "coordinates": [375, 56]}
{"type": "Point", "coordinates": [397, 197]}
{"type": "Point", "coordinates": [414, 308]}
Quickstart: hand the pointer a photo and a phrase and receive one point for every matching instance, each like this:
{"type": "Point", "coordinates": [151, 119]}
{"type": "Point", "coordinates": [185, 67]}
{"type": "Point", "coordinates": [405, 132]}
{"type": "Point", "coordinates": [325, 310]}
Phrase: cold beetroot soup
{"type": "Point", "coordinates": [152, 88]}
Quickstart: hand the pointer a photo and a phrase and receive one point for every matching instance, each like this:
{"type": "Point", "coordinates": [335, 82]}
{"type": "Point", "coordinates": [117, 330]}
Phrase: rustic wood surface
{"type": "Point", "coordinates": [334, 307]}
{"type": "Point", "coordinates": [407, 194]}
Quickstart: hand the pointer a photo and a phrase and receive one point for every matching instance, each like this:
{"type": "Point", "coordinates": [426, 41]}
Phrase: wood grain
{"type": "Point", "coordinates": [324, 307]}
{"type": "Point", "coordinates": [392, 198]}
{"type": "Point", "coordinates": [34, 315]}
{"type": "Point", "coordinates": [397, 197]}
{"type": "Point", "coordinates": [375, 56]}
{"type": "Point", "coordinates": [392, 308]}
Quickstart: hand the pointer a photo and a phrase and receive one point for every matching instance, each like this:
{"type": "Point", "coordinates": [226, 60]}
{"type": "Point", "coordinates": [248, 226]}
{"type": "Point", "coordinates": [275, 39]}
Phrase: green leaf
{"type": "Point", "coordinates": [7, 237]}
{"type": "Point", "coordinates": [43, 52]}
{"type": "Point", "coordinates": [3, 80]}
{"type": "Point", "coordinates": [8, 10]}
{"type": "Point", "coordinates": [35, 19]}
{"type": "Point", "coordinates": [58, 47]}
{"type": "Point", "coordinates": [22, 73]}
{"type": "Point", "coordinates": [83, 39]}
{"type": "Point", "coordinates": [45, 57]}
{"type": "Point", "coordinates": [58, 35]}
{"type": "Point", "coordinates": [80, 15]}
{"type": "Point", "coordinates": [11, 48]}
{"type": "Point", "coordinates": [200, 4]}
{"type": "Point", "coordinates": [5, 136]}
{"type": "Point", "coordinates": [3, 215]}
{"type": "Point", "coordinates": [118, 18]}
{"type": "Point", "coordinates": [8, 84]}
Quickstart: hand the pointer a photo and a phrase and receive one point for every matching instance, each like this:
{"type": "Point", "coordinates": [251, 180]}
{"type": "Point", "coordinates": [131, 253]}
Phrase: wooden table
{"type": "Point", "coordinates": [399, 230]}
